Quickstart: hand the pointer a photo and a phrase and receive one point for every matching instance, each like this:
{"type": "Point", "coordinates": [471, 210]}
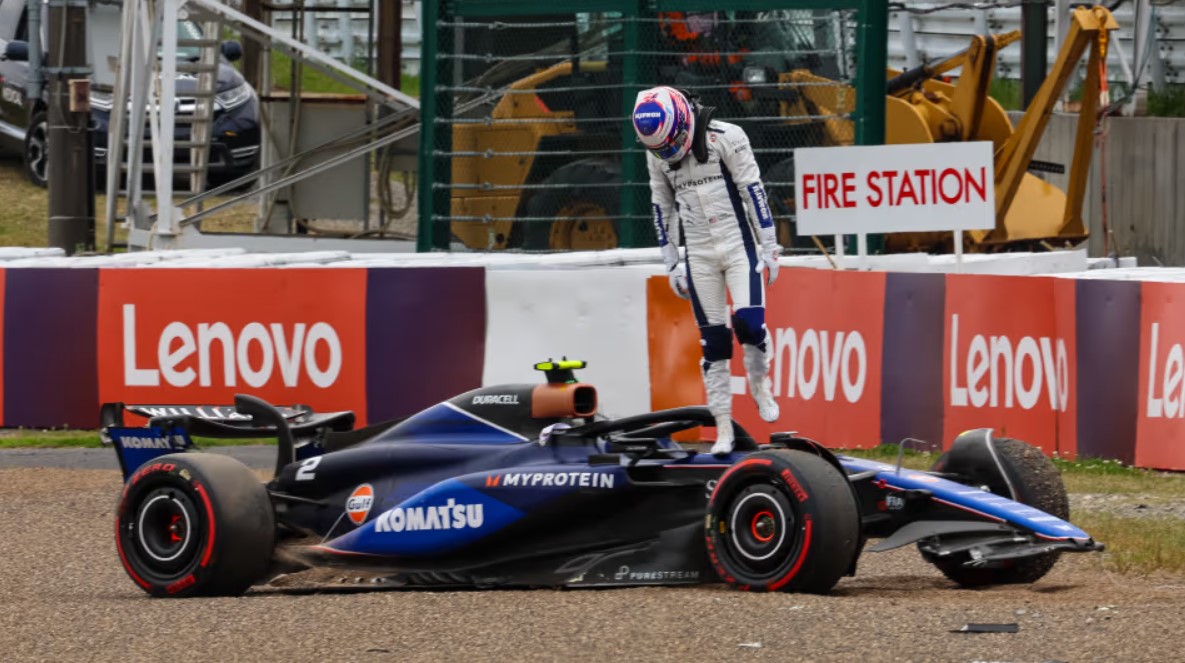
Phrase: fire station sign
{"type": "Point", "coordinates": [894, 188]}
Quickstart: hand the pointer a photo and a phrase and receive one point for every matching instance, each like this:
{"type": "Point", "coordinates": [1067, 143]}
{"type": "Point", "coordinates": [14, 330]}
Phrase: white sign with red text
{"type": "Point", "coordinates": [895, 188]}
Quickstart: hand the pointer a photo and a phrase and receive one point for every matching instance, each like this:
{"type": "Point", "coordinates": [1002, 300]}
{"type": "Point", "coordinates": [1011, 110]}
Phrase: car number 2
{"type": "Point", "coordinates": [305, 473]}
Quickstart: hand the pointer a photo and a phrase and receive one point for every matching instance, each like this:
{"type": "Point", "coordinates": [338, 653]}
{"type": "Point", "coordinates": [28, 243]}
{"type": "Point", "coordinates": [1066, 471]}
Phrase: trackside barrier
{"type": "Point", "coordinates": [1089, 363]}
{"type": "Point", "coordinates": [1079, 367]}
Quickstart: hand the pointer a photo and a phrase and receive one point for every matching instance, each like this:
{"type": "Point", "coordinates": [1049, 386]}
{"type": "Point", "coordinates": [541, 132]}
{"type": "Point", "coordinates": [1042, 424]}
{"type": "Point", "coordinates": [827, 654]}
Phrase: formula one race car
{"type": "Point", "coordinates": [526, 485]}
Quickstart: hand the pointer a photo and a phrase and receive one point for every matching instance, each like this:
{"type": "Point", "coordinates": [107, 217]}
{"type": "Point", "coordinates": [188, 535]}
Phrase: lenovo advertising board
{"type": "Point", "coordinates": [824, 333]}
{"type": "Point", "coordinates": [289, 336]}
{"type": "Point", "coordinates": [1160, 428]}
{"type": "Point", "coordinates": [1009, 359]}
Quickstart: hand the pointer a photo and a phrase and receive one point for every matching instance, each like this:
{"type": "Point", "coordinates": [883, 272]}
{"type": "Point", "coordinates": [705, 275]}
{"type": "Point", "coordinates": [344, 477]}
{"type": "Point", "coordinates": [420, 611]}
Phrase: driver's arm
{"type": "Point", "coordinates": [662, 204]}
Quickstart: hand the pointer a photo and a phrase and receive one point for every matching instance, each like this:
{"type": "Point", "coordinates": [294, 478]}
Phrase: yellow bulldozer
{"type": "Point", "coordinates": [545, 174]}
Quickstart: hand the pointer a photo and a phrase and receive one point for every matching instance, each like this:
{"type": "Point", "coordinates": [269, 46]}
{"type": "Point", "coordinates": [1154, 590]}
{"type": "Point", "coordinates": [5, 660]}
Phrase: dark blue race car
{"type": "Point", "coordinates": [526, 485]}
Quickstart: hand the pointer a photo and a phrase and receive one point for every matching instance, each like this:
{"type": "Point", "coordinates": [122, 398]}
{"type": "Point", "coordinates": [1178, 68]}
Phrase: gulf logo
{"type": "Point", "coordinates": [358, 504]}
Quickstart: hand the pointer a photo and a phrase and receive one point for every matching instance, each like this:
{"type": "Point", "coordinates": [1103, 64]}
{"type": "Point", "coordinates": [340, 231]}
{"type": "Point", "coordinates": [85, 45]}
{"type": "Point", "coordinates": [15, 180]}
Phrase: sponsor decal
{"type": "Point", "coordinates": [894, 502]}
{"type": "Point", "coordinates": [995, 371]}
{"type": "Point", "coordinates": [552, 480]}
{"type": "Point", "coordinates": [191, 336]}
{"type": "Point", "coordinates": [496, 399]}
{"type": "Point", "coordinates": [1160, 423]}
{"type": "Point", "coordinates": [700, 182]}
{"type": "Point", "coordinates": [11, 95]}
{"type": "Point", "coordinates": [359, 502]}
{"type": "Point", "coordinates": [625, 573]}
{"type": "Point", "coordinates": [1014, 372]}
{"type": "Point", "coordinates": [825, 359]}
{"type": "Point", "coordinates": [1166, 370]}
{"type": "Point", "coordinates": [795, 487]}
{"type": "Point", "coordinates": [819, 363]}
{"type": "Point", "coordinates": [649, 117]}
{"type": "Point", "coordinates": [451, 515]}
{"type": "Point", "coordinates": [760, 204]}
{"type": "Point", "coordinates": [134, 442]}
{"type": "Point", "coordinates": [252, 353]}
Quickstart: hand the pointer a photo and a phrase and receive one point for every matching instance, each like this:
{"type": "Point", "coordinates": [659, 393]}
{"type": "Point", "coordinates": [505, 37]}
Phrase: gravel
{"type": "Point", "coordinates": [67, 599]}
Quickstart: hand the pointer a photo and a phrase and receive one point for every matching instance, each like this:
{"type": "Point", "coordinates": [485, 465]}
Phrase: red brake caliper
{"type": "Point", "coordinates": [174, 537]}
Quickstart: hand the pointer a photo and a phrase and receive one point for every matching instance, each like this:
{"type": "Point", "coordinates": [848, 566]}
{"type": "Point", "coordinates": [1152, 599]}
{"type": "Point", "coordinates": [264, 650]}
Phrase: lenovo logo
{"type": "Point", "coordinates": [254, 354]}
{"type": "Point", "coordinates": [1166, 379]}
{"type": "Point", "coordinates": [834, 361]}
{"type": "Point", "coordinates": [996, 371]}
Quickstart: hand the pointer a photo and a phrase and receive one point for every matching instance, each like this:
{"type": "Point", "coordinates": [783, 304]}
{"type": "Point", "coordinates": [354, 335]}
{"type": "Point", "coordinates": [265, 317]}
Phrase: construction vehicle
{"type": "Point", "coordinates": [568, 203]}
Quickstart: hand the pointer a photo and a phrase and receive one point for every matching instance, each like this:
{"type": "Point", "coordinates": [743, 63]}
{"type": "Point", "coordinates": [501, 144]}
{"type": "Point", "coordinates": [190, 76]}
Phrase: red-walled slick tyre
{"type": "Point", "coordinates": [782, 521]}
{"type": "Point", "coordinates": [194, 525]}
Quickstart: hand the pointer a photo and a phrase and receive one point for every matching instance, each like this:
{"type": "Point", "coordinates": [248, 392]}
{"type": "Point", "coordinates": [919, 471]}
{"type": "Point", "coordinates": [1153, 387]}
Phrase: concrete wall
{"type": "Point", "coordinates": [1141, 166]}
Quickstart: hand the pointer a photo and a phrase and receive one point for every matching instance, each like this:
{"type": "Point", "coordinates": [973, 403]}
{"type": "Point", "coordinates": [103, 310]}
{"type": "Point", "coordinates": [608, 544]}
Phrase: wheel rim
{"type": "Point", "coordinates": [163, 532]}
{"type": "Point", "coordinates": [582, 226]}
{"type": "Point", "coordinates": [37, 152]}
{"type": "Point", "coordinates": [760, 535]}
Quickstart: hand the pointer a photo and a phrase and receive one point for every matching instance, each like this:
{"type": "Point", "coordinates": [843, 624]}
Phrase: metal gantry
{"type": "Point", "coordinates": [146, 79]}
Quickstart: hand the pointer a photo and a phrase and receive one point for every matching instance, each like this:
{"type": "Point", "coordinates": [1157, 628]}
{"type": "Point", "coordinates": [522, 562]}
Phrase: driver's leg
{"type": "Point", "coordinates": [705, 278]}
{"type": "Point", "coordinates": [747, 287]}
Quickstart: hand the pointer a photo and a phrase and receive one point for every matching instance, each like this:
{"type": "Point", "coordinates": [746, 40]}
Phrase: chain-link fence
{"type": "Point", "coordinates": [527, 142]}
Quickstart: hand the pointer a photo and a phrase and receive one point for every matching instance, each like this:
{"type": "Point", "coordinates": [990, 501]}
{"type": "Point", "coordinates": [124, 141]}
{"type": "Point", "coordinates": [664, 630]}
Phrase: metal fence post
{"type": "Point", "coordinates": [630, 236]}
{"type": "Point", "coordinates": [434, 201]}
{"type": "Point", "coordinates": [872, 51]}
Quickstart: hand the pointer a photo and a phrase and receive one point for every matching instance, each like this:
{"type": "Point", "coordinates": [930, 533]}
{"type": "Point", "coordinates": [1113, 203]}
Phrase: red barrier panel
{"type": "Point", "coordinates": [825, 332]}
{"type": "Point", "coordinates": [1009, 359]}
{"type": "Point", "coordinates": [1160, 426]}
{"type": "Point", "coordinates": [200, 336]}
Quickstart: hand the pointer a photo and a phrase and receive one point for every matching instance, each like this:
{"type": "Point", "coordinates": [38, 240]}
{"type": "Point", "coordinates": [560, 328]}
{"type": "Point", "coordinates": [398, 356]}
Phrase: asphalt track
{"type": "Point", "coordinates": [65, 598]}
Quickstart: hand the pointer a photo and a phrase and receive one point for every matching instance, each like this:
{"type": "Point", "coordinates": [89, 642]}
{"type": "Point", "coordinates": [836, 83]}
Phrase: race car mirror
{"type": "Point", "coordinates": [561, 371]}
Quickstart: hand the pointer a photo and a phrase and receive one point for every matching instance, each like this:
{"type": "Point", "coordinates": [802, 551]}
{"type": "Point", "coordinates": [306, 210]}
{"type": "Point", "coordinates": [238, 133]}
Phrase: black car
{"type": "Point", "coordinates": [235, 135]}
{"type": "Point", "coordinates": [529, 485]}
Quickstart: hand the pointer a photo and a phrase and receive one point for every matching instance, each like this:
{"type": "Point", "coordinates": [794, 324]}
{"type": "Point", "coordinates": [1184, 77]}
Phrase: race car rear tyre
{"type": "Point", "coordinates": [782, 521]}
{"type": "Point", "coordinates": [195, 525]}
{"type": "Point", "coordinates": [1038, 484]}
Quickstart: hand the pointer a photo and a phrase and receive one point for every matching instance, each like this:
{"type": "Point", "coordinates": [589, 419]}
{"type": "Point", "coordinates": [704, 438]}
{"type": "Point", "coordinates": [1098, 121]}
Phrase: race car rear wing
{"type": "Point", "coordinates": [171, 428]}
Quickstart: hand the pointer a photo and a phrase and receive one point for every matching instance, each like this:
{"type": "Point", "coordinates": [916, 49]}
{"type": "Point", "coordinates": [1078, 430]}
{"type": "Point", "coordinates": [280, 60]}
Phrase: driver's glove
{"type": "Point", "coordinates": [770, 250]}
{"type": "Point", "coordinates": [670, 258]}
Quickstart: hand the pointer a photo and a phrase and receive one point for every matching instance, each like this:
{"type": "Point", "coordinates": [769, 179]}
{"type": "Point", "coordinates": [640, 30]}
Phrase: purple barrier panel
{"type": "Point", "coordinates": [50, 356]}
{"type": "Point", "coordinates": [425, 337]}
{"type": "Point", "coordinates": [911, 376]}
{"type": "Point", "coordinates": [1108, 324]}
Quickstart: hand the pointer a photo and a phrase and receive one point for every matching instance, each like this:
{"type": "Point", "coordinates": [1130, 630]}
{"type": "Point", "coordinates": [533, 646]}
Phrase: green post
{"type": "Point", "coordinates": [427, 174]}
{"type": "Point", "coordinates": [630, 163]}
{"type": "Point", "coordinates": [872, 52]}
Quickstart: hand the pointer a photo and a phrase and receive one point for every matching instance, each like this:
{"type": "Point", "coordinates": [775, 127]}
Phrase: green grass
{"type": "Point", "coordinates": [1168, 103]}
{"type": "Point", "coordinates": [1007, 92]}
{"type": "Point", "coordinates": [313, 80]}
{"type": "Point", "coordinates": [1137, 546]}
{"type": "Point", "coordinates": [61, 439]}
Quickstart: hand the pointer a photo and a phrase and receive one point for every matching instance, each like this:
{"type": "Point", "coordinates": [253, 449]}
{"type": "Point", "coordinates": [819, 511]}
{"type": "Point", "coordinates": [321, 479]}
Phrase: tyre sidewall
{"type": "Point", "coordinates": [226, 528]}
{"type": "Point", "coordinates": [800, 553]}
{"type": "Point", "coordinates": [38, 121]}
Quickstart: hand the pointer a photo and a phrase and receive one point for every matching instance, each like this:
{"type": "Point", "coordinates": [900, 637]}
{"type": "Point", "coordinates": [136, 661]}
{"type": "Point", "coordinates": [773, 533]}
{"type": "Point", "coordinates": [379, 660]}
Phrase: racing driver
{"type": "Point", "coordinates": [706, 194]}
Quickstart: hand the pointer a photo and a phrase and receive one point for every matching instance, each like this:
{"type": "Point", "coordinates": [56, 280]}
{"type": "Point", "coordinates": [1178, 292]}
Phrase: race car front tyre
{"type": "Point", "coordinates": [782, 520]}
{"type": "Point", "coordinates": [1038, 484]}
{"type": "Point", "coordinates": [194, 525]}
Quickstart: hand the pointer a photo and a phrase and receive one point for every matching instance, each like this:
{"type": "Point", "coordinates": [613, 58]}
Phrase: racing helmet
{"type": "Point", "coordinates": [664, 122]}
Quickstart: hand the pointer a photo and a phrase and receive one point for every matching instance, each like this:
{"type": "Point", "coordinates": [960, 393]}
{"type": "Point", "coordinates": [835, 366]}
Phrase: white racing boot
{"type": "Point", "coordinates": [718, 383]}
{"type": "Point", "coordinates": [724, 436]}
{"type": "Point", "coordinates": [760, 386]}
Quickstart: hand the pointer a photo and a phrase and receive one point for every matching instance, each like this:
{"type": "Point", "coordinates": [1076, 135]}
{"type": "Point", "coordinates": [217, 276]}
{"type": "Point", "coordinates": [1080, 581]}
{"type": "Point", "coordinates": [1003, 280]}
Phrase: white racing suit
{"type": "Point", "coordinates": [717, 210]}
